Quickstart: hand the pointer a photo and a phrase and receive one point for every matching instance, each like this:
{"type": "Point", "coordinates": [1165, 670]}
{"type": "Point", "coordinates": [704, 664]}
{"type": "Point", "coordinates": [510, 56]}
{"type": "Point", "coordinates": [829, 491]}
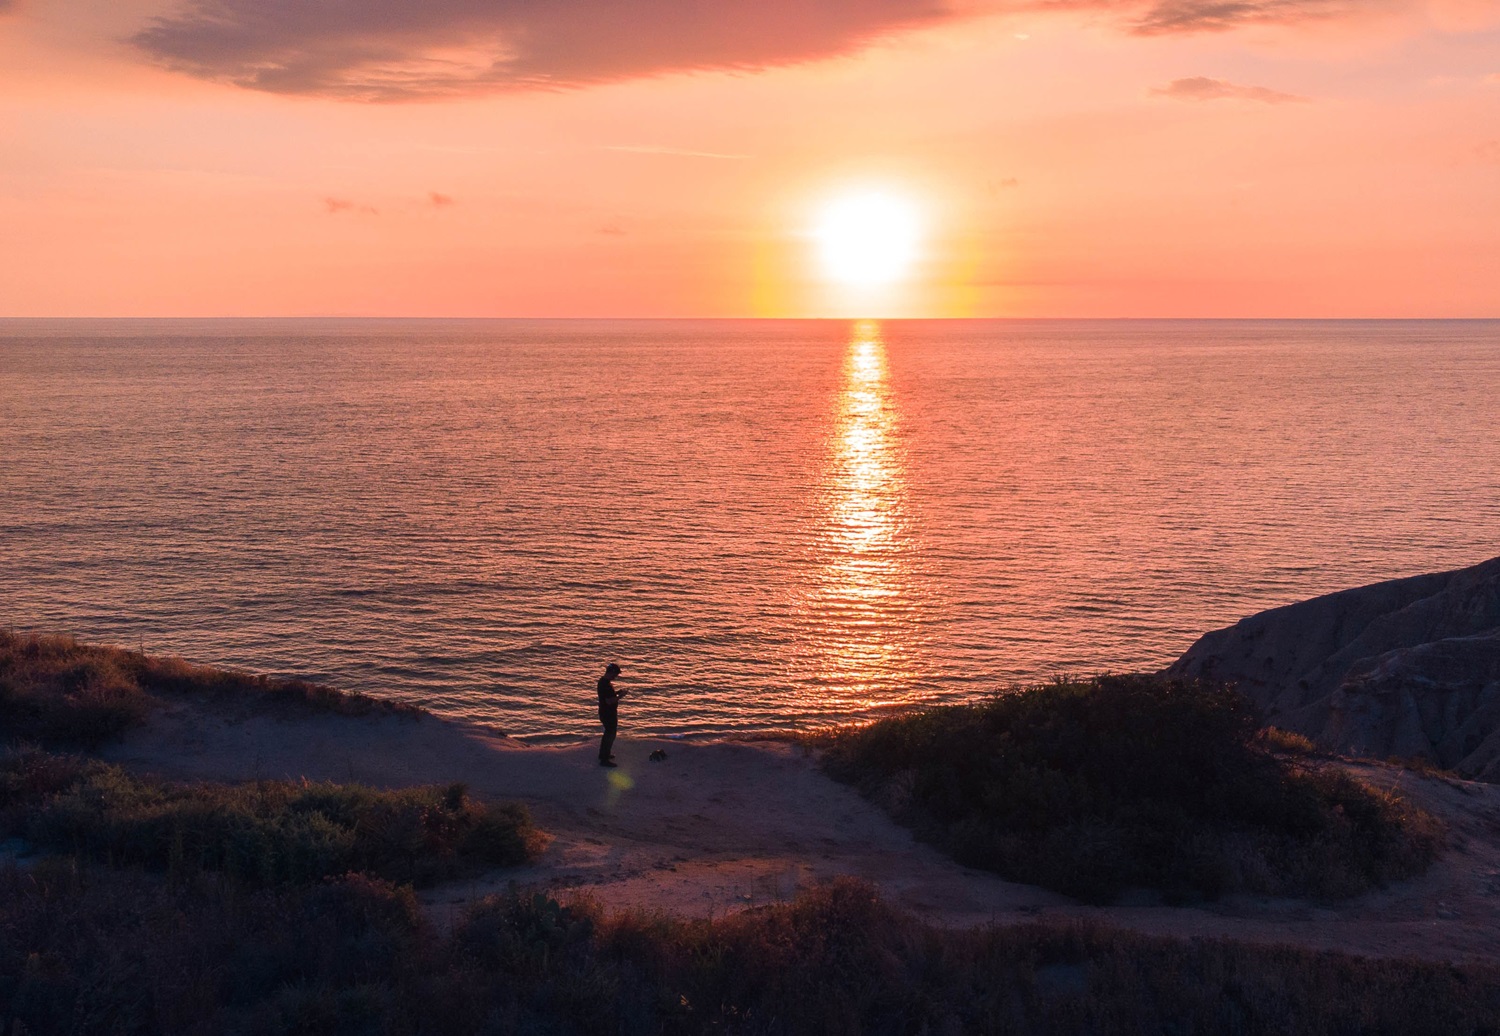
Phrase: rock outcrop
{"type": "Point", "coordinates": [1407, 668]}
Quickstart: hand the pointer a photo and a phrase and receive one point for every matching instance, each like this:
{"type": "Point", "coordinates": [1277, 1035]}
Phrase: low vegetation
{"type": "Point", "coordinates": [58, 692]}
{"type": "Point", "coordinates": [288, 907]}
{"type": "Point", "coordinates": [1094, 787]}
{"type": "Point", "coordinates": [260, 834]}
{"type": "Point", "coordinates": [95, 951]}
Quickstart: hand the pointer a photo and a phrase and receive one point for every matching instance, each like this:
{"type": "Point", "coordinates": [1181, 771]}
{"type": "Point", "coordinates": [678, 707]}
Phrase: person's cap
{"type": "Point", "coordinates": [612, 669]}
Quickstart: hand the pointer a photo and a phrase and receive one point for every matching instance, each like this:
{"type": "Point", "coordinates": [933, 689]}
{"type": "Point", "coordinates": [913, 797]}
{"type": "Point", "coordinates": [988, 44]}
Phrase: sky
{"type": "Point", "coordinates": [676, 158]}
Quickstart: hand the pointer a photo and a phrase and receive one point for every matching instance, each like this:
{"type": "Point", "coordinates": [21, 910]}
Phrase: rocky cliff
{"type": "Point", "coordinates": [1409, 668]}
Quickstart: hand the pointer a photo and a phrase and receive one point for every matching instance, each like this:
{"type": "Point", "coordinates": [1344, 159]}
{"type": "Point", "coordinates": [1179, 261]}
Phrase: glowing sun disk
{"type": "Point", "coordinates": [868, 239]}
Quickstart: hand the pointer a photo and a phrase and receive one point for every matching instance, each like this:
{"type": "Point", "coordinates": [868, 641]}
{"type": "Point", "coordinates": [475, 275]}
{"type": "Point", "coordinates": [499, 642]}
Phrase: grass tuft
{"type": "Point", "coordinates": [1093, 787]}
{"type": "Point", "coordinates": [1287, 742]}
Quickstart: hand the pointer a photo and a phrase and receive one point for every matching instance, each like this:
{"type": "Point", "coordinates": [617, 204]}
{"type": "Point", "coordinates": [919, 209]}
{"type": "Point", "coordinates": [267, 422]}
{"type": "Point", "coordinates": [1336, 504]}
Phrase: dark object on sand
{"type": "Point", "coordinates": [659, 756]}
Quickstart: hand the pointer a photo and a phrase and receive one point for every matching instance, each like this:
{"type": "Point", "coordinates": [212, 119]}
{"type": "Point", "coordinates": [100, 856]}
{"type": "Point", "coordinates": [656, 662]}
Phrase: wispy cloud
{"type": "Point", "coordinates": [653, 149]}
{"type": "Point", "coordinates": [1184, 16]}
{"type": "Point", "coordinates": [334, 206]}
{"type": "Point", "coordinates": [390, 50]}
{"type": "Point", "coordinates": [439, 201]}
{"type": "Point", "coordinates": [1202, 88]}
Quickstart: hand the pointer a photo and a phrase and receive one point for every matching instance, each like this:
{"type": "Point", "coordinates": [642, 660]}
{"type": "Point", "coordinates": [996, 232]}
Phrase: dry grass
{"type": "Point", "coordinates": [1287, 742]}
{"type": "Point", "coordinates": [94, 951]}
{"type": "Point", "coordinates": [56, 691]}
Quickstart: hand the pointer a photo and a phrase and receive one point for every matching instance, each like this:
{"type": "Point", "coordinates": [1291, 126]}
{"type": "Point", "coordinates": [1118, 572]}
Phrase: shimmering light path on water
{"type": "Point", "coordinates": [770, 524]}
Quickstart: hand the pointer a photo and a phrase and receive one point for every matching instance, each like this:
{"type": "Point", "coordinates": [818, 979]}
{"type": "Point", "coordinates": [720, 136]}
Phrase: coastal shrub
{"type": "Point", "coordinates": [1093, 787]}
{"type": "Point", "coordinates": [56, 691]}
{"type": "Point", "coordinates": [90, 950]}
{"type": "Point", "coordinates": [264, 833]}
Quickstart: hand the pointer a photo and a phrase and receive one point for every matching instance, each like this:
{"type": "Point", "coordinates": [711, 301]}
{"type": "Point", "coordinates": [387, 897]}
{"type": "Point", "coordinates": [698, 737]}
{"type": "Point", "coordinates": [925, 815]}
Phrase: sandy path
{"type": "Point", "coordinates": [721, 826]}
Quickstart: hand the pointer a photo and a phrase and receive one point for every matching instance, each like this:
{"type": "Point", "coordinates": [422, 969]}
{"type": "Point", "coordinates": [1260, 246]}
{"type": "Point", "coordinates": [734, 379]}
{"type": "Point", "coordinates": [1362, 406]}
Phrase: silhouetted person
{"type": "Point", "coordinates": [609, 713]}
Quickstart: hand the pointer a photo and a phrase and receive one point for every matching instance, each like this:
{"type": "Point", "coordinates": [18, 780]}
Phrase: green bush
{"type": "Point", "coordinates": [56, 691]}
{"type": "Point", "coordinates": [265, 833]}
{"type": "Point", "coordinates": [1093, 787]}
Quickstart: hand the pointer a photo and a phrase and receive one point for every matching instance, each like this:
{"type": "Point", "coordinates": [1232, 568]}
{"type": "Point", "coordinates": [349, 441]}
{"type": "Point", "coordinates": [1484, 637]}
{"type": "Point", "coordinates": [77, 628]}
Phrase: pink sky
{"type": "Point", "coordinates": [669, 157]}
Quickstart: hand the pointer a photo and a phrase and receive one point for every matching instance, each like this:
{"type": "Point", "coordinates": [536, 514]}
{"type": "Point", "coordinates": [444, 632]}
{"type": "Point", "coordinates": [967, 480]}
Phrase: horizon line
{"type": "Point", "coordinates": [743, 319]}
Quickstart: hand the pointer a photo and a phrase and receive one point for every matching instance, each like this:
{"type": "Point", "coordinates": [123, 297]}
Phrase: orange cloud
{"type": "Point", "coordinates": [401, 49]}
{"type": "Point", "coordinates": [1202, 88]}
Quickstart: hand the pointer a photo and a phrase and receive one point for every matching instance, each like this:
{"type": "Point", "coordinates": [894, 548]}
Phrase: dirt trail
{"type": "Point", "coordinates": [725, 825]}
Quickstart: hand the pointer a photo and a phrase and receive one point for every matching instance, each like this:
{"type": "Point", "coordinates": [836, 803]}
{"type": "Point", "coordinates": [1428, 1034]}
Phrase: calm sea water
{"type": "Point", "coordinates": [769, 524]}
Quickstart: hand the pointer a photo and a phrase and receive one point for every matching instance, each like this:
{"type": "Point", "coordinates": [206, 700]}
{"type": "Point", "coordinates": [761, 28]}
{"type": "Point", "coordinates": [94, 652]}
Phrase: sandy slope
{"type": "Point", "coordinates": [720, 826]}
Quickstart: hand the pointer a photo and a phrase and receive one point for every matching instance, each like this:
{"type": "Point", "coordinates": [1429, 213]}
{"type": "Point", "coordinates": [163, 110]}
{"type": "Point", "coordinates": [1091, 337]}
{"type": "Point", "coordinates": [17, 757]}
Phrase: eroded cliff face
{"type": "Point", "coordinates": [1409, 668]}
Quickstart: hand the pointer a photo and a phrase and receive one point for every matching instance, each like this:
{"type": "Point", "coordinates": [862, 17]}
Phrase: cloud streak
{"type": "Point", "coordinates": [653, 149]}
{"type": "Point", "coordinates": [334, 206]}
{"type": "Point", "coordinates": [391, 50]}
{"type": "Point", "coordinates": [1188, 16]}
{"type": "Point", "coordinates": [1202, 88]}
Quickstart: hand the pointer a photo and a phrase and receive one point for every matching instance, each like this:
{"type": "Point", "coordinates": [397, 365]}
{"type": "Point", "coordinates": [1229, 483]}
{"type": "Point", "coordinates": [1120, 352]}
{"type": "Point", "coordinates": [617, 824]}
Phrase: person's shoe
{"type": "Point", "coordinates": [608, 762]}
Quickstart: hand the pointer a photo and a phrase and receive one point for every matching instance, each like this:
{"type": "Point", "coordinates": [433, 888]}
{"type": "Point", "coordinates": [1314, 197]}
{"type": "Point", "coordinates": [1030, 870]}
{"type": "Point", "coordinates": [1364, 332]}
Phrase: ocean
{"type": "Point", "coordinates": [770, 525]}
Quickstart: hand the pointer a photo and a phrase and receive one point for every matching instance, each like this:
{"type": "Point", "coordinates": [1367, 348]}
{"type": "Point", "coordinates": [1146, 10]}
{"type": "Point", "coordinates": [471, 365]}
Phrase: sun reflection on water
{"type": "Point", "coordinates": [863, 601]}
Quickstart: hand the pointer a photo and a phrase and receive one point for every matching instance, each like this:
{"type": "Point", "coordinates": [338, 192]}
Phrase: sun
{"type": "Point", "coordinates": [868, 239]}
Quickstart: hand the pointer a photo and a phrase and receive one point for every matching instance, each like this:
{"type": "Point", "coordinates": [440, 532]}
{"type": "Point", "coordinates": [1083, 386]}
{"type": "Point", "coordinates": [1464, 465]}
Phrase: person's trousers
{"type": "Point", "coordinates": [611, 720]}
